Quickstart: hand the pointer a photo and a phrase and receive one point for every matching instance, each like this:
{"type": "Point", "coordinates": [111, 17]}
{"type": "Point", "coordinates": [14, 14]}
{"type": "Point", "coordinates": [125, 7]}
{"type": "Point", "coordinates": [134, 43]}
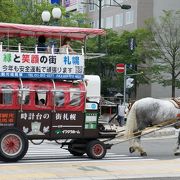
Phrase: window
{"type": "Point", "coordinates": [75, 96]}
{"type": "Point", "coordinates": [41, 97]}
{"type": "Point", "coordinates": [129, 17]}
{"type": "Point", "coordinates": [119, 20]}
{"type": "Point", "coordinates": [92, 23]}
{"type": "Point", "coordinates": [102, 3]}
{"type": "Point", "coordinates": [91, 5]}
{"type": "Point", "coordinates": [59, 98]}
{"type": "Point", "coordinates": [23, 95]}
{"type": "Point", "coordinates": [109, 22]}
{"type": "Point", "coordinates": [102, 23]}
{"type": "Point", "coordinates": [6, 94]}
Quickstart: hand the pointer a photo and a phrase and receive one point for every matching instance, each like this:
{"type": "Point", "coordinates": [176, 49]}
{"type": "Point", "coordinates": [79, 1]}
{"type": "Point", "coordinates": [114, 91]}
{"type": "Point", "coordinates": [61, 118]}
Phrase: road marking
{"type": "Point", "coordinates": [51, 153]}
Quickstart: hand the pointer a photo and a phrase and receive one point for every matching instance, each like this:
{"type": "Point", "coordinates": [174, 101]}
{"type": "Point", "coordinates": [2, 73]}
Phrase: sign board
{"type": "Point", "coordinates": [48, 66]}
{"type": "Point", "coordinates": [132, 44]}
{"type": "Point", "coordinates": [120, 68]}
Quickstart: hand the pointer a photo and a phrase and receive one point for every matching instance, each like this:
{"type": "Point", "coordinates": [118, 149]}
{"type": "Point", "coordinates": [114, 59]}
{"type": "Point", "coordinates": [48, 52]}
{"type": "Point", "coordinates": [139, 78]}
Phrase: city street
{"type": "Point", "coordinates": [48, 161]}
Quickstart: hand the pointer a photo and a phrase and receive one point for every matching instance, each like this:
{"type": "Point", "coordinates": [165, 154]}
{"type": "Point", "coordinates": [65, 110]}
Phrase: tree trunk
{"type": "Point", "coordinates": [173, 86]}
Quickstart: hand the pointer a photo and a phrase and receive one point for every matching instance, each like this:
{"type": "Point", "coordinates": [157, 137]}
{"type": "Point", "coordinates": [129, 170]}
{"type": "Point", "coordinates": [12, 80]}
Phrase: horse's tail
{"type": "Point", "coordinates": [131, 124]}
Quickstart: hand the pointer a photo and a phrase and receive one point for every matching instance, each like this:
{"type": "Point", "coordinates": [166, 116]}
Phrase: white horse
{"type": "Point", "coordinates": [147, 112]}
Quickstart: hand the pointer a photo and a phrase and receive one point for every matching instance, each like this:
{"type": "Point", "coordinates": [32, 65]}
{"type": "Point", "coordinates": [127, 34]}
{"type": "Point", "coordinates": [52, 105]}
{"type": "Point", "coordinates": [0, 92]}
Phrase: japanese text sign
{"type": "Point", "coordinates": [49, 66]}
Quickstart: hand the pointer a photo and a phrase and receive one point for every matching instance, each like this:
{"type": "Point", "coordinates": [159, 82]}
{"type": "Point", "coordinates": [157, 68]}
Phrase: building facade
{"type": "Point", "coordinates": [113, 17]}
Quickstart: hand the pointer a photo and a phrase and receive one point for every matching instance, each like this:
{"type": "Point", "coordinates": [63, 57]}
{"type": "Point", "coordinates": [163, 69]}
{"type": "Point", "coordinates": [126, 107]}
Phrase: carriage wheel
{"type": "Point", "coordinates": [13, 144]}
{"type": "Point", "coordinates": [96, 149]}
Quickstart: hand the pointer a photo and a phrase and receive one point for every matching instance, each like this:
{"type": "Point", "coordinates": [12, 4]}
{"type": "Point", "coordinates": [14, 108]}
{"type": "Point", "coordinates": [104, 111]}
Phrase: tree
{"type": "Point", "coordinates": [165, 42]}
{"type": "Point", "coordinates": [9, 12]}
{"type": "Point", "coordinates": [116, 46]}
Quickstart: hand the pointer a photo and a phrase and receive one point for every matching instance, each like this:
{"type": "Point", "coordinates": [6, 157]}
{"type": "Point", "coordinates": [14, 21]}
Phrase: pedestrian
{"type": "Point", "coordinates": [121, 114]}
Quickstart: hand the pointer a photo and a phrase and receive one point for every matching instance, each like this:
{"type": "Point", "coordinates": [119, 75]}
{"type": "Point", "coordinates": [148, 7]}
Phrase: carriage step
{"type": "Point", "coordinates": [107, 134]}
{"type": "Point", "coordinates": [108, 130]}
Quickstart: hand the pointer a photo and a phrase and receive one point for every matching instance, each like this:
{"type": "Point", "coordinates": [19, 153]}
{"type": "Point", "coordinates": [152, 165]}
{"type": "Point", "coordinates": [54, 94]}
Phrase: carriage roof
{"type": "Point", "coordinates": [24, 30]}
{"type": "Point", "coordinates": [51, 65]}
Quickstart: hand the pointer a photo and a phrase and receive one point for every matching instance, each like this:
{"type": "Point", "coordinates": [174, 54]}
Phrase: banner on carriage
{"type": "Point", "coordinates": [32, 65]}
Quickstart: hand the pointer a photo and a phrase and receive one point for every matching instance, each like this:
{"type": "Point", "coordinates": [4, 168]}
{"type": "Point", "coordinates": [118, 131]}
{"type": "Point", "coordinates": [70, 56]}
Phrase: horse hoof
{"type": "Point", "coordinates": [131, 150]}
{"type": "Point", "coordinates": [143, 154]}
{"type": "Point", "coordinates": [177, 153]}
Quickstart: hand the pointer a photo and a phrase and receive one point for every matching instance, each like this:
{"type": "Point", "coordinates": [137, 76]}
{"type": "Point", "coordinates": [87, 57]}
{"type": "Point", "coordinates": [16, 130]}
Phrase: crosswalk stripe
{"type": "Point", "coordinates": [50, 153]}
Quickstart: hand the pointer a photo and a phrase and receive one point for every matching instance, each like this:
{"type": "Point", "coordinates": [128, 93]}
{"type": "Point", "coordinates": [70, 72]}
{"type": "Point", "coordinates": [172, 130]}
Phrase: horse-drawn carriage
{"type": "Point", "coordinates": [45, 96]}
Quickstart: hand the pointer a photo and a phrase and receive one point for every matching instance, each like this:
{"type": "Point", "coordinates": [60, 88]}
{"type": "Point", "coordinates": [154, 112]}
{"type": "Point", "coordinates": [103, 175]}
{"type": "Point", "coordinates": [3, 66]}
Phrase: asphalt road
{"type": "Point", "coordinates": [160, 148]}
{"type": "Point", "coordinates": [48, 162]}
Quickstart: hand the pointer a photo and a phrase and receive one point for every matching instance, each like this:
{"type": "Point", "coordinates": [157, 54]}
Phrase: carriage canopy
{"type": "Point", "coordinates": [17, 62]}
{"type": "Point", "coordinates": [24, 30]}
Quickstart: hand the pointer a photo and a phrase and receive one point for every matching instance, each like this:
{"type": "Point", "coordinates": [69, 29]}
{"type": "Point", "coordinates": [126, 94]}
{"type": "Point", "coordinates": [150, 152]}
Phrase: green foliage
{"type": "Point", "coordinates": [9, 12]}
{"type": "Point", "coordinates": [29, 12]}
{"type": "Point", "coordinates": [117, 51]}
{"type": "Point", "coordinates": [165, 42]}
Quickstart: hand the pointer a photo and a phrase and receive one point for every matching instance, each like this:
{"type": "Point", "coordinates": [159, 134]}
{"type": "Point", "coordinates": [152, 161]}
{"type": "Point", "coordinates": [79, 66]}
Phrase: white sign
{"type": "Point", "coordinates": [91, 106]}
{"type": "Point", "coordinates": [32, 65]}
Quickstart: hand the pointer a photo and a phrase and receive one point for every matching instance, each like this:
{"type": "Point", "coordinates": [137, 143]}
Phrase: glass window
{"type": "Point", "coordinates": [92, 23]}
{"type": "Point", "coordinates": [109, 22]}
{"type": "Point", "coordinates": [59, 98]}
{"type": "Point", "coordinates": [119, 20]}
{"type": "Point", "coordinates": [41, 97]}
{"type": "Point", "coordinates": [102, 3]}
{"type": "Point", "coordinates": [91, 5]}
{"type": "Point", "coordinates": [6, 94]}
{"type": "Point", "coordinates": [24, 95]}
{"type": "Point", "coordinates": [129, 17]}
{"type": "Point", "coordinates": [75, 96]}
{"type": "Point", "coordinates": [102, 23]}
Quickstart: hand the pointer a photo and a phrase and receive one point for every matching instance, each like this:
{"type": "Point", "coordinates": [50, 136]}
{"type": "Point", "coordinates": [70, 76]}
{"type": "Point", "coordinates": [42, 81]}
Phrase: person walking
{"type": "Point", "coordinates": [121, 114]}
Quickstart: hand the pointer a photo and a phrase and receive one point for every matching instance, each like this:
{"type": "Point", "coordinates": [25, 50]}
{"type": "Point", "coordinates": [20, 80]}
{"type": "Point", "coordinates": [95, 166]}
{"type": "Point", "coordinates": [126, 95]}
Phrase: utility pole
{"type": "Point", "coordinates": [99, 37]}
{"type": "Point", "coordinates": [124, 6]}
{"type": "Point", "coordinates": [124, 94]}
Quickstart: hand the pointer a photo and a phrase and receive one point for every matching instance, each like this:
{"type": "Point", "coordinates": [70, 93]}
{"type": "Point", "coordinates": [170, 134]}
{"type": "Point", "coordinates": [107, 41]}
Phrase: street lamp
{"type": "Point", "coordinates": [45, 16]}
{"type": "Point", "coordinates": [56, 14]}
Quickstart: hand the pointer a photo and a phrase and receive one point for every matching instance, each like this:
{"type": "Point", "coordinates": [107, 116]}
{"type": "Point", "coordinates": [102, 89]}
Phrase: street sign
{"type": "Point", "coordinates": [129, 82]}
{"type": "Point", "coordinates": [132, 44]}
{"type": "Point", "coordinates": [120, 68]}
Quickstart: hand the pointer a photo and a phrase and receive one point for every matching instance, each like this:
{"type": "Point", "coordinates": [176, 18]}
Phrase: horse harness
{"type": "Point", "coordinates": [176, 102]}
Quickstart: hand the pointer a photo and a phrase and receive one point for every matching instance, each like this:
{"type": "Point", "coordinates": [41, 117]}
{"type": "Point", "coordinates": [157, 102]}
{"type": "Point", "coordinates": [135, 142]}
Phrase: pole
{"type": "Point", "coordinates": [124, 95]}
{"type": "Point", "coordinates": [99, 37]}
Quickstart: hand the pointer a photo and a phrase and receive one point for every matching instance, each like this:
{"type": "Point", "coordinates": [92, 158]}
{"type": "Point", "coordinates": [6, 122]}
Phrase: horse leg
{"type": "Point", "coordinates": [177, 150]}
{"type": "Point", "coordinates": [136, 145]}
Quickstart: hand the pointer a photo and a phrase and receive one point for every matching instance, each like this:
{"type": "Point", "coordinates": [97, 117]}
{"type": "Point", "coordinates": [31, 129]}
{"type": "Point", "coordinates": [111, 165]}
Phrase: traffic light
{"type": "Point", "coordinates": [129, 82]}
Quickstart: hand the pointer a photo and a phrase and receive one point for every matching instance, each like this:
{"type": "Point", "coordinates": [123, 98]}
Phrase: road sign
{"type": "Point", "coordinates": [120, 68]}
{"type": "Point", "coordinates": [129, 82]}
{"type": "Point", "coordinates": [132, 44]}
